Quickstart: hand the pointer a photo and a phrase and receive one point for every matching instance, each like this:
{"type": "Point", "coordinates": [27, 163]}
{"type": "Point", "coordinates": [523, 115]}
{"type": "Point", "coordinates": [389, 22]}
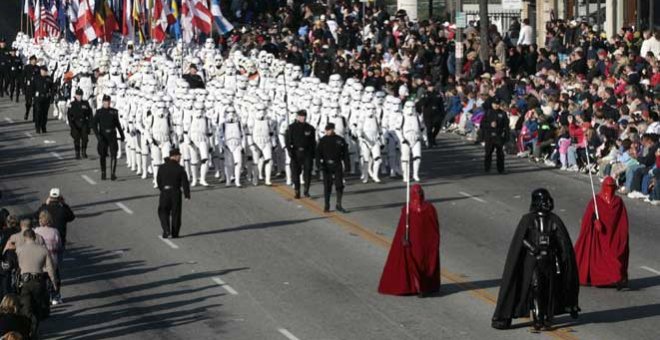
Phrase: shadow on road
{"type": "Point", "coordinates": [130, 308]}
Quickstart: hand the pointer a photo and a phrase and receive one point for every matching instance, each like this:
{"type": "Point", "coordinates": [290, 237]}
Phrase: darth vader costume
{"type": "Point", "coordinates": [540, 274]}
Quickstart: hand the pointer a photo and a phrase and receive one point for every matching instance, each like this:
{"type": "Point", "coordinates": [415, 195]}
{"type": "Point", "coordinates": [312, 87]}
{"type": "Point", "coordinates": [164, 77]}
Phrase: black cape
{"type": "Point", "coordinates": [514, 297]}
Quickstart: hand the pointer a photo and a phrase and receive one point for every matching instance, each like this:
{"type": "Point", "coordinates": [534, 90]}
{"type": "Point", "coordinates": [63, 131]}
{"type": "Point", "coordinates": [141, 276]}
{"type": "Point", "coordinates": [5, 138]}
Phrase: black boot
{"type": "Point", "coordinates": [83, 150]}
{"type": "Point", "coordinates": [113, 167]}
{"type": "Point", "coordinates": [340, 194]}
{"type": "Point", "coordinates": [77, 149]}
{"type": "Point", "coordinates": [326, 208]}
{"type": "Point", "coordinates": [103, 168]}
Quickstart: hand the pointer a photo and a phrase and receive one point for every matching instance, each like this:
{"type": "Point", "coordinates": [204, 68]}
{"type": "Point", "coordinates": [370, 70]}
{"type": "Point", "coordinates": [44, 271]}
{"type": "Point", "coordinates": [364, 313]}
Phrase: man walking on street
{"type": "Point", "coordinates": [106, 125]}
{"type": "Point", "coordinates": [301, 144]}
{"type": "Point", "coordinates": [13, 84]}
{"type": "Point", "coordinates": [171, 179]}
{"type": "Point", "coordinates": [43, 96]}
{"type": "Point", "coordinates": [60, 212]}
{"type": "Point", "coordinates": [495, 127]}
{"type": "Point", "coordinates": [332, 152]}
{"type": "Point", "coordinates": [79, 116]}
{"type": "Point", "coordinates": [30, 72]}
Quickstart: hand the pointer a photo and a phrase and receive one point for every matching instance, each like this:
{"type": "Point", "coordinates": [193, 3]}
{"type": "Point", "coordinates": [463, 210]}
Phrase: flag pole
{"type": "Point", "coordinates": [20, 10]}
{"type": "Point", "coordinates": [591, 179]}
{"type": "Point", "coordinates": [407, 236]}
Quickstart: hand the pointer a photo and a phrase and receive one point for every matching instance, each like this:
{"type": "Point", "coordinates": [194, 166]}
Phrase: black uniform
{"type": "Point", "coordinates": [105, 125]}
{"type": "Point", "coordinates": [495, 127]}
{"type": "Point", "coordinates": [540, 274]}
{"type": "Point", "coordinates": [43, 96]}
{"type": "Point", "coordinates": [30, 72]}
{"type": "Point", "coordinates": [332, 152]}
{"type": "Point", "coordinates": [171, 179]}
{"type": "Point", "coordinates": [301, 144]}
{"type": "Point", "coordinates": [80, 118]}
{"type": "Point", "coordinates": [13, 83]}
{"type": "Point", "coordinates": [194, 81]}
{"type": "Point", "coordinates": [4, 70]}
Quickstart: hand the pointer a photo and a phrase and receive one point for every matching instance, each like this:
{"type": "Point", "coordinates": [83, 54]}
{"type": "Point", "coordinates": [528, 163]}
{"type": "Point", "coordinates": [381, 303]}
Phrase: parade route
{"type": "Point", "coordinates": [254, 263]}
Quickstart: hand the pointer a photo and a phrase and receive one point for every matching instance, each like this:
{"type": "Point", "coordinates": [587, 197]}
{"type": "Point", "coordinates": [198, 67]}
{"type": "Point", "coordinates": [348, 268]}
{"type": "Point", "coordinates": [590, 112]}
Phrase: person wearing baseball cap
{"type": "Point", "coordinates": [333, 159]}
{"type": "Point", "coordinates": [105, 125]}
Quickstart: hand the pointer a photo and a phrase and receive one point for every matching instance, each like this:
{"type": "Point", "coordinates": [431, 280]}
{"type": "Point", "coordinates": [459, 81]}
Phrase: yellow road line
{"type": "Point", "coordinates": [379, 240]}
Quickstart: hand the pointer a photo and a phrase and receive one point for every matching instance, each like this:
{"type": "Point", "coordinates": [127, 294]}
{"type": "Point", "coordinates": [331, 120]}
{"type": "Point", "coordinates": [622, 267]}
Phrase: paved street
{"type": "Point", "coordinates": [254, 264]}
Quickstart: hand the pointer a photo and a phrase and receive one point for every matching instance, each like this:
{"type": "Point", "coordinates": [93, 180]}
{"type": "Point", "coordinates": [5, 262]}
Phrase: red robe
{"type": "Point", "coordinates": [414, 268]}
{"type": "Point", "coordinates": [602, 255]}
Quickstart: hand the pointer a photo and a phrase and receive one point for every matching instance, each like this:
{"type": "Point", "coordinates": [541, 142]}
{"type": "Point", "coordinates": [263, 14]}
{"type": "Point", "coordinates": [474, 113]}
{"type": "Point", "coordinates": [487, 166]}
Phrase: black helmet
{"type": "Point", "coordinates": [542, 201]}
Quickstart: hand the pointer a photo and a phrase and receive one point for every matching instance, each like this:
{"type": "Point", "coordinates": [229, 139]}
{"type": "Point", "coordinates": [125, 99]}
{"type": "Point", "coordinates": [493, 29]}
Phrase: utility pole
{"type": "Point", "coordinates": [483, 31]}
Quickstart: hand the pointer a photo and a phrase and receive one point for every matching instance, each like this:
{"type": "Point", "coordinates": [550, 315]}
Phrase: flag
{"type": "Point", "coordinates": [224, 26]}
{"type": "Point", "coordinates": [137, 16]}
{"type": "Point", "coordinates": [201, 15]}
{"type": "Point", "coordinates": [105, 20]}
{"type": "Point", "coordinates": [176, 27]}
{"type": "Point", "coordinates": [127, 28]}
{"type": "Point", "coordinates": [161, 18]}
{"type": "Point", "coordinates": [85, 31]}
{"type": "Point", "coordinates": [186, 21]}
{"type": "Point", "coordinates": [72, 14]}
{"type": "Point", "coordinates": [29, 9]}
{"type": "Point", "coordinates": [45, 24]}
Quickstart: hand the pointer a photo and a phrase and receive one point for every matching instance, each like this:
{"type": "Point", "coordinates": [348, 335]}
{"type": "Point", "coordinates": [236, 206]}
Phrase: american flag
{"type": "Point", "coordinates": [45, 24]}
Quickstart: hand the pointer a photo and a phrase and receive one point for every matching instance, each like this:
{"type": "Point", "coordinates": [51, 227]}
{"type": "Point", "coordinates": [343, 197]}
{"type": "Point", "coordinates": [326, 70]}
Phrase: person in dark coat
{"type": "Point", "coordinates": [60, 212]}
{"type": "Point", "coordinates": [301, 143]}
{"type": "Point", "coordinates": [79, 116]}
{"type": "Point", "coordinates": [540, 274]}
{"type": "Point", "coordinates": [43, 90]}
{"type": "Point", "coordinates": [333, 159]}
{"type": "Point", "coordinates": [193, 79]}
{"type": "Point", "coordinates": [30, 72]}
{"type": "Point", "coordinates": [433, 112]}
{"type": "Point", "coordinates": [10, 319]}
{"type": "Point", "coordinates": [105, 126]}
{"type": "Point", "coordinates": [495, 126]}
{"type": "Point", "coordinates": [171, 179]}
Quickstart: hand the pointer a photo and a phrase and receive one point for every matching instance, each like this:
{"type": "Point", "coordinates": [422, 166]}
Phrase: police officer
{"type": "Point", "coordinates": [105, 126]}
{"type": "Point", "coordinates": [495, 127]}
{"type": "Point", "coordinates": [332, 152]}
{"type": "Point", "coordinates": [80, 118]}
{"type": "Point", "coordinates": [43, 96]}
{"type": "Point", "coordinates": [14, 78]}
{"type": "Point", "coordinates": [301, 143]}
{"type": "Point", "coordinates": [33, 259]}
{"type": "Point", "coordinates": [171, 179]}
{"type": "Point", "coordinates": [30, 72]}
{"type": "Point", "coordinates": [194, 80]}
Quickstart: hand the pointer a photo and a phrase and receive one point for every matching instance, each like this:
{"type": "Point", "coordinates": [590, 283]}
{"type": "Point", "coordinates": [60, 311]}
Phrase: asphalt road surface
{"type": "Point", "coordinates": [253, 263]}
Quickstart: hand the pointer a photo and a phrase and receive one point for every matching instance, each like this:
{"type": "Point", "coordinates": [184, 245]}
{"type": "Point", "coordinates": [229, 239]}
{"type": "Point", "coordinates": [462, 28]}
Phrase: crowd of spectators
{"type": "Point", "coordinates": [584, 102]}
{"type": "Point", "coordinates": [30, 266]}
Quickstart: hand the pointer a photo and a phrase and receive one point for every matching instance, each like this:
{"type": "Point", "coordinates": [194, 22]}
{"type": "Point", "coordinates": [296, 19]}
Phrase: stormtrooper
{"type": "Point", "coordinates": [261, 138]}
{"type": "Point", "coordinates": [199, 133]}
{"type": "Point", "coordinates": [410, 133]}
{"type": "Point", "coordinates": [370, 136]}
{"type": "Point", "coordinates": [160, 137]}
{"type": "Point", "coordinates": [233, 142]}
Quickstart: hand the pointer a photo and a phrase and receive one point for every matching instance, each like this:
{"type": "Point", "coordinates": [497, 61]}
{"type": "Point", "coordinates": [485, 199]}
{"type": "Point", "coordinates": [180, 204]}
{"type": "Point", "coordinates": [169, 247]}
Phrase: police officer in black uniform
{"type": "Point", "coordinates": [43, 97]}
{"type": "Point", "coordinates": [171, 179]}
{"type": "Point", "coordinates": [15, 71]}
{"type": "Point", "coordinates": [495, 127]}
{"type": "Point", "coordinates": [194, 80]}
{"type": "Point", "coordinates": [80, 118]}
{"type": "Point", "coordinates": [105, 126]}
{"type": "Point", "coordinates": [301, 144]}
{"type": "Point", "coordinates": [4, 66]}
{"type": "Point", "coordinates": [332, 152]}
{"type": "Point", "coordinates": [30, 72]}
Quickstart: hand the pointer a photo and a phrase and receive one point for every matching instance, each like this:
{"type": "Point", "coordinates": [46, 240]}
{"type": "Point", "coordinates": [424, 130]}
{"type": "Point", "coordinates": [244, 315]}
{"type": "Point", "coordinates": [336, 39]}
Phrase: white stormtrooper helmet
{"type": "Point", "coordinates": [230, 114]}
{"type": "Point", "coordinates": [370, 110]}
{"type": "Point", "coordinates": [198, 109]}
{"type": "Point", "coordinates": [409, 108]}
{"type": "Point", "coordinates": [260, 111]}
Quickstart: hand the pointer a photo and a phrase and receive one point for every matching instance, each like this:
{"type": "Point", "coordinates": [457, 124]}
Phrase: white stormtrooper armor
{"type": "Point", "coordinates": [184, 142]}
{"type": "Point", "coordinates": [370, 136]}
{"type": "Point", "coordinates": [133, 139]}
{"type": "Point", "coordinates": [411, 134]}
{"type": "Point", "coordinates": [160, 137]}
{"type": "Point", "coordinates": [233, 141]}
{"type": "Point", "coordinates": [261, 139]}
{"type": "Point", "coordinates": [199, 133]}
